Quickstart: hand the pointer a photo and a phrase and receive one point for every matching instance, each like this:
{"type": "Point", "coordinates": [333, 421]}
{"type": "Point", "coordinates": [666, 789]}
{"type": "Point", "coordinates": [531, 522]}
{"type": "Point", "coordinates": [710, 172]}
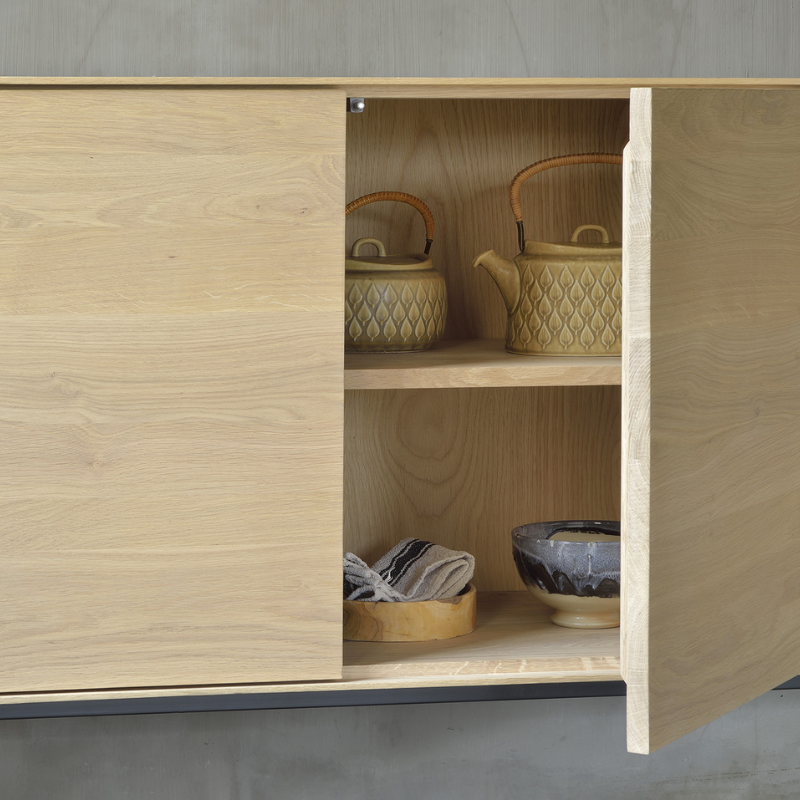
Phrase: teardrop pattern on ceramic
{"type": "Point", "coordinates": [381, 313]}
{"type": "Point", "coordinates": [355, 330]}
{"type": "Point", "coordinates": [394, 313]}
{"type": "Point", "coordinates": [562, 310]}
{"type": "Point", "coordinates": [355, 296]}
{"type": "Point", "coordinates": [607, 278]}
{"type": "Point", "coordinates": [544, 336]}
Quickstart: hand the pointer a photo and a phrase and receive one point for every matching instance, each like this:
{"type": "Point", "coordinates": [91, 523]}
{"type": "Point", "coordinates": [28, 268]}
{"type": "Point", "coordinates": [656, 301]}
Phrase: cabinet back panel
{"type": "Point", "coordinates": [170, 387]}
{"type": "Point", "coordinates": [459, 156]}
{"type": "Point", "coordinates": [462, 467]}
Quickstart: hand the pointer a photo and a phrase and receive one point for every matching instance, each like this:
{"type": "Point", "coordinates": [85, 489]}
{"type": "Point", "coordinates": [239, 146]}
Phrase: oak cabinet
{"type": "Point", "coordinates": [188, 451]}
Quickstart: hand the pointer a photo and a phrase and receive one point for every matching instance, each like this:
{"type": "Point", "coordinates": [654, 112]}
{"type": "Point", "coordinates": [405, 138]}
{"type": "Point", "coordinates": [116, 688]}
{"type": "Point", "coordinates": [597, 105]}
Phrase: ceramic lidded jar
{"type": "Point", "coordinates": [563, 299]}
{"type": "Point", "coordinates": [393, 303]}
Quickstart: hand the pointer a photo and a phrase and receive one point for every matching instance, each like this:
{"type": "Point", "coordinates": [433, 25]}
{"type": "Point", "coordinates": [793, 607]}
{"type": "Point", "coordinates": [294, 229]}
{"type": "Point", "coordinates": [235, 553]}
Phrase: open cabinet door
{"type": "Point", "coordinates": [171, 389]}
{"type": "Point", "coordinates": [711, 405]}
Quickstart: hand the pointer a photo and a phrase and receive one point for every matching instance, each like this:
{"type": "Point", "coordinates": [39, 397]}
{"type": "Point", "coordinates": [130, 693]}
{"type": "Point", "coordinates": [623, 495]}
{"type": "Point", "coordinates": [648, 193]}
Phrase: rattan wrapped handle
{"type": "Point", "coordinates": [400, 197]}
{"type": "Point", "coordinates": [541, 166]}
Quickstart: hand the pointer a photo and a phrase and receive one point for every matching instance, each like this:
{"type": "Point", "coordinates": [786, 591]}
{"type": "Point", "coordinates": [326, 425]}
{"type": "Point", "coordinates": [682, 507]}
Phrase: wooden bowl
{"type": "Point", "coordinates": [424, 621]}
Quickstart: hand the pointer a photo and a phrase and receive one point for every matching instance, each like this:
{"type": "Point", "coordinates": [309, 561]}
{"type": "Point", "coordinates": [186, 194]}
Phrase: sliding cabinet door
{"type": "Point", "coordinates": [170, 386]}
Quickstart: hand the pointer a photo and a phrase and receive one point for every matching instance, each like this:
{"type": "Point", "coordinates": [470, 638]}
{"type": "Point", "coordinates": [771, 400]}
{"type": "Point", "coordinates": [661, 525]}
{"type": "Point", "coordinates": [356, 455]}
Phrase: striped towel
{"type": "Point", "coordinates": [411, 570]}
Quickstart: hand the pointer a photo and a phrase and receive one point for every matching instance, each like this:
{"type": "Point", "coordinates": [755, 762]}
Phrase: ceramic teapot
{"type": "Point", "coordinates": [562, 299]}
{"type": "Point", "coordinates": [393, 303]}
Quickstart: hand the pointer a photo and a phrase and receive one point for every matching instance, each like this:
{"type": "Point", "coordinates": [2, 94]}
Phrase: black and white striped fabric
{"type": "Point", "coordinates": [411, 570]}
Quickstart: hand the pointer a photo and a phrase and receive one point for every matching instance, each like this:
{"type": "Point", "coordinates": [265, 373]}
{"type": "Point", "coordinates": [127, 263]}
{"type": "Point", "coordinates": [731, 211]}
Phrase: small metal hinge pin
{"type": "Point", "coordinates": [355, 105]}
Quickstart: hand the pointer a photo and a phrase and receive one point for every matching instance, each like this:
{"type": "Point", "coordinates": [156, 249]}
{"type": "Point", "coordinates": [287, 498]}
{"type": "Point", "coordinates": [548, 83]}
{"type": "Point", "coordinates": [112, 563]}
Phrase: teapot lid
{"type": "Point", "coordinates": [392, 263]}
{"type": "Point", "coordinates": [574, 247]}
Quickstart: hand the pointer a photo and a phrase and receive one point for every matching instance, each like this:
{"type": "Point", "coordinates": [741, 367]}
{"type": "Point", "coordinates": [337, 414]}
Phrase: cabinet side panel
{"type": "Point", "coordinates": [725, 402]}
{"type": "Point", "coordinates": [636, 419]}
{"type": "Point", "coordinates": [170, 387]}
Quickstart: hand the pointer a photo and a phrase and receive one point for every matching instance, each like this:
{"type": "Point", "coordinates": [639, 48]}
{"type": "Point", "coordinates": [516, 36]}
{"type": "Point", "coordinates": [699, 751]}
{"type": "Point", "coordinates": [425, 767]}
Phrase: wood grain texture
{"type": "Point", "coordinates": [635, 495]}
{"type": "Point", "coordinates": [170, 387]}
{"type": "Point", "coordinates": [460, 157]}
{"type": "Point", "coordinates": [135, 212]}
{"type": "Point", "coordinates": [458, 363]}
{"type": "Point", "coordinates": [514, 642]}
{"type": "Point", "coordinates": [462, 467]}
{"type": "Point", "coordinates": [723, 494]}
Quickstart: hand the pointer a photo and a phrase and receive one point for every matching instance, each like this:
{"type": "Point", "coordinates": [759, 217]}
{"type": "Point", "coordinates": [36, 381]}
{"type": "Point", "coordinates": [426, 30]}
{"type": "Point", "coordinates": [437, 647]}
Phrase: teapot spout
{"type": "Point", "coordinates": [504, 273]}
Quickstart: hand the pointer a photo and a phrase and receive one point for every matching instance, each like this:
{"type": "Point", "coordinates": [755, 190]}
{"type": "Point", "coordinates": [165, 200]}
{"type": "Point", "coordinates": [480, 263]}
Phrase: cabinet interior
{"type": "Point", "coordinates": [514, 439]}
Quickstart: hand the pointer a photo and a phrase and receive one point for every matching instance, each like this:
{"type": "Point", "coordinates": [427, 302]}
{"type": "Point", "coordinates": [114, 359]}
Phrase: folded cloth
{"type": "Point", "coordinates": [411, 570]}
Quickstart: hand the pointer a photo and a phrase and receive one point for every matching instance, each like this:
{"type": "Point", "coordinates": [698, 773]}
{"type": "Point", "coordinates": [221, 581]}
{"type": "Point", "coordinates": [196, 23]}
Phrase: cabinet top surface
{"type": "Point", "coordinates": [420, 87]}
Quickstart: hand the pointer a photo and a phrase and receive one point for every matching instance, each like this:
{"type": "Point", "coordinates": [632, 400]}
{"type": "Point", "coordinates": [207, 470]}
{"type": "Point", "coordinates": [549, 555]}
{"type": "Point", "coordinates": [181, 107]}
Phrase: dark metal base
{"type": "Point", "coordinates": [370, 697]}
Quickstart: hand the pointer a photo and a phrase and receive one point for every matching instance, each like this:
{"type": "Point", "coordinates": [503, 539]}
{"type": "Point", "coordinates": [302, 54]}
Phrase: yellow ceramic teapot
{"type": "Point", "coordinates": [562, 299]}
{"type": "Point", "coordinates": [394, 303]}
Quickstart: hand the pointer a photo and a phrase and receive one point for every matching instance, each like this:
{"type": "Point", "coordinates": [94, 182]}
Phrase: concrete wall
{"type": "Point", "coordinates": [539, 749]}
{"type": "Point", "coordinates": [584, 38]}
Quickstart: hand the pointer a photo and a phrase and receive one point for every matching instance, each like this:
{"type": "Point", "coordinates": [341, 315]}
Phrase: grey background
{"type": "Point", "coordinates": [458, 38]}
{"type": "Point", "coordinates": [538, 749]}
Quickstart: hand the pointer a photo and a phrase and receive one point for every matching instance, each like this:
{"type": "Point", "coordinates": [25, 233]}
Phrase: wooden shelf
{"type": "Point", "coordinates": [514, 643]}
{"type": "Point", "coordinates": [475, 362]}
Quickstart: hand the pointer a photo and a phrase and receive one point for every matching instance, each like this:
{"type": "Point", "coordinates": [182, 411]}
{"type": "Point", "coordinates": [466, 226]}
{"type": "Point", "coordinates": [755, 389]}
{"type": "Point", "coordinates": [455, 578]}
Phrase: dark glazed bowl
{"type": "Point", "coordinates": [581, 569]}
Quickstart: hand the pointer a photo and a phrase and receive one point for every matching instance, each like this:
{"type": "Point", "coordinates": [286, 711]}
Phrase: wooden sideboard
{"type": "Point", "coordinates": [187, 450]}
